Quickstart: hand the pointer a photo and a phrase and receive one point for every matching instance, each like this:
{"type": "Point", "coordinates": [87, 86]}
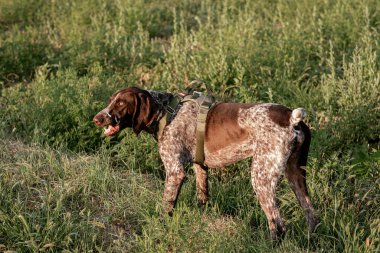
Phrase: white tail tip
{"type": "Point", "coordinates": [298, 115]}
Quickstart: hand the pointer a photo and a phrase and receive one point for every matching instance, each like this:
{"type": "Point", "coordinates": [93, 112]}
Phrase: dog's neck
{"type": "Point", "coordinates": [161, 99]}
{"type": "Point", "coordinates": [162, 102]}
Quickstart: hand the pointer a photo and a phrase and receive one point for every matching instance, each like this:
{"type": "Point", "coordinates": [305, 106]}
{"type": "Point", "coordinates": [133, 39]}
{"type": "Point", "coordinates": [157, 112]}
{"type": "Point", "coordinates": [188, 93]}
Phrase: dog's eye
{"type": "Point", "coordinates": [121, 103]}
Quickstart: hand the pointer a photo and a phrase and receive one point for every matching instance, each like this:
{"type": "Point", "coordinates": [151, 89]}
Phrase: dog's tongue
{"type": "Point", "coordinates": [111, 130]}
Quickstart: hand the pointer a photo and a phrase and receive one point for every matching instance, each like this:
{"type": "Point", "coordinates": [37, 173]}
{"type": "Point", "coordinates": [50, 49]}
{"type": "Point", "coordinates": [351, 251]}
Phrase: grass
{"type": "Point", "coordinates": [64, 188]}
{"type": "Point", "coordinates": [59, 200]}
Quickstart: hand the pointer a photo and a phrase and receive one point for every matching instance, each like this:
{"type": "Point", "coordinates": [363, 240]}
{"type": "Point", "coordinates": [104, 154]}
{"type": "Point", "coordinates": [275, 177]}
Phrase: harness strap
{"type": "Point", "coordinates": [205, 106]}
{"type": "Point", "coordinates": [169, 111]}
{"type": "Point", "coordinates": [205, 103]}
{"type": "Point", "coordinates": [161, 124]}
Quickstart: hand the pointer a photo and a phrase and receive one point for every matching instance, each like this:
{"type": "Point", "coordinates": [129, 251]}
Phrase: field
{"type": "Point", "coordinates": [64, 188]}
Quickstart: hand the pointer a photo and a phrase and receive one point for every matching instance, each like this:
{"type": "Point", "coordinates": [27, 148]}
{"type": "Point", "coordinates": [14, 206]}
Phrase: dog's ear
{"type": "Point", "coordinates": [143, 113]}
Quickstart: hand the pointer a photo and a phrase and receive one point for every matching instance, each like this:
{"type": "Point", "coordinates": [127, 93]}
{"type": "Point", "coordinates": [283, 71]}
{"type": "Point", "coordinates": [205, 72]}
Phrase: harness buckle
{"type": "Point", "coordinates": [196, 94]}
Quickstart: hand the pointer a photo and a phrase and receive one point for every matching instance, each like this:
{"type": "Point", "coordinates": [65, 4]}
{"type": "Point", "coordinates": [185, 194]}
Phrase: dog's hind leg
{"type": "Point", "coordinates": [264, 177]}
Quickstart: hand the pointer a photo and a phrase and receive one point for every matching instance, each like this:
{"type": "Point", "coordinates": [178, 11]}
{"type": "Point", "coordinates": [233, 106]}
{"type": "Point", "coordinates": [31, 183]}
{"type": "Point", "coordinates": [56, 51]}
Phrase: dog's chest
{"type": "Point", "coordinates": [178, 137]}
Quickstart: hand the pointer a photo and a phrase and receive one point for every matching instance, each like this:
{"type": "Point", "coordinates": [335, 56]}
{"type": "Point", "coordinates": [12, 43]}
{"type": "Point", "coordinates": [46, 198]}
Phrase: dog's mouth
{"type": "Point", "coordinates": [111, 130]}
{"type": "Point", "coordinates": [112, 124]}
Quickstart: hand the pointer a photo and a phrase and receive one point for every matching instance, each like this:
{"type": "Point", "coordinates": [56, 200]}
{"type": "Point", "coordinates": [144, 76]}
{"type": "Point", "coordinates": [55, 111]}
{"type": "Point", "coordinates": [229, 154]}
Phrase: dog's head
{"type": "Point", "coordinates": [129, 107]}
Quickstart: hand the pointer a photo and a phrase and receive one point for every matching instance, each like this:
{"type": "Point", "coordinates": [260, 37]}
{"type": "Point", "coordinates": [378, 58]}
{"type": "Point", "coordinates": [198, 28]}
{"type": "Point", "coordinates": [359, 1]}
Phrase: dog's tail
{"type": "Point", "coordinates": [297, 116]}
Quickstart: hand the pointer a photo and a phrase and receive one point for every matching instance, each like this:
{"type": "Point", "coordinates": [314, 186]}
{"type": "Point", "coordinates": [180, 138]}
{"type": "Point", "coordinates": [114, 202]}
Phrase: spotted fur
{"type": "Point", "coordinates": [274, 136]}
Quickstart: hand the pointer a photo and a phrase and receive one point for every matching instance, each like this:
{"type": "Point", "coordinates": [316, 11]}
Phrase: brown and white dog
{"type": "Point", "coordinates": [274, 136]}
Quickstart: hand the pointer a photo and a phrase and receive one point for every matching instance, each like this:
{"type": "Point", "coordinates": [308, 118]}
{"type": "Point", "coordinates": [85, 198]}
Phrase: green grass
{"type": "Point", "coordinates": [64, 188]}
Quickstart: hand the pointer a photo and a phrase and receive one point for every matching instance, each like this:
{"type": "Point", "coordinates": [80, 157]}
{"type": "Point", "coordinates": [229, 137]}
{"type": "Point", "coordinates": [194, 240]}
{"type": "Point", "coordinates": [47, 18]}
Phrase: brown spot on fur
{"type": "Point", "coordinates": [222, 126]}
{"type": "Point", "coordinates": [280, 115]}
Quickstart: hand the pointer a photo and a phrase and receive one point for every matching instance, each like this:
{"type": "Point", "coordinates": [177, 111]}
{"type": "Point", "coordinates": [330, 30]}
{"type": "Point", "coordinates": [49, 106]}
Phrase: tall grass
{"type": "Point", "coordinates": [64, 188]}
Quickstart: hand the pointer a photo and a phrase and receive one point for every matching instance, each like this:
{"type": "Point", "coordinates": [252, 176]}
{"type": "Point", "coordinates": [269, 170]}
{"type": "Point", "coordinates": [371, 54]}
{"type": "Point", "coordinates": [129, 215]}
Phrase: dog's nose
{"type": "Point", "coordinates": [97, 121]}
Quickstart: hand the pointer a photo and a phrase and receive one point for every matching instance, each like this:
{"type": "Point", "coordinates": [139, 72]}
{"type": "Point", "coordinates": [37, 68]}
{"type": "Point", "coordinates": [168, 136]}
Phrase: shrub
{"type": "Point", "coordinates": [57, 110]}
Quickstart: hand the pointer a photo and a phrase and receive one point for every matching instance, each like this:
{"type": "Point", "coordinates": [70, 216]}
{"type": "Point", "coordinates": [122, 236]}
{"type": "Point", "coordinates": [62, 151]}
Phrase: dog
{"type": "Point", "coordinates": [274, 136]}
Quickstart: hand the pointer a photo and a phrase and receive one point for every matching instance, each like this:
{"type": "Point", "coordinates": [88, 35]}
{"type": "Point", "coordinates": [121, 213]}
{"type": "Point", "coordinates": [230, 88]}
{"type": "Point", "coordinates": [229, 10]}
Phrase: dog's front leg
{"type": "Point", "coordinates": [201, 183]}
{"type": "Point", "coordinates": [173, 183]}
{"type": "Point", "coordinates": [173, 159]}
{"type": "Point", "coordinates": [176, 149]}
